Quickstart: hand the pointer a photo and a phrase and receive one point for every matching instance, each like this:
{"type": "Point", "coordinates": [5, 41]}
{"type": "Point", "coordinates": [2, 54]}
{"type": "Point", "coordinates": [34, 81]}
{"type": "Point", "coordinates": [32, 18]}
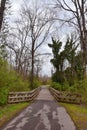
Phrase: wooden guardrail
{"type": "Point", "coordinates": [18, 97]}
{"type": "Point", "coordinates": [67, 97]}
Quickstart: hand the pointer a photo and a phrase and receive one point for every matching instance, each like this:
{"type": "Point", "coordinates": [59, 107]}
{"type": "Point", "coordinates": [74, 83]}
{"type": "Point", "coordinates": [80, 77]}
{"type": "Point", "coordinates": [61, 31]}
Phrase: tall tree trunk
{"type": "Point", "coordinates": [32, 68]}
{"type": "Point", "coordinates": [2, 8]}
{"type": "Point", "coordinates": [84, 37]}
{"type": "Point", "coordinates": [83, 33]}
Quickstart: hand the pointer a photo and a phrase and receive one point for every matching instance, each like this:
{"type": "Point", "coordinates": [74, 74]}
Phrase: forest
{"type": "Point", "coordinates": [58, 26]}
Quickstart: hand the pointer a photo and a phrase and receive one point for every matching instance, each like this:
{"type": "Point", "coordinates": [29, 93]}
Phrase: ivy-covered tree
{"type": "Point", "coordinates": [70, 53]}
{"type": "Point", "coordinates": [57, 61]}
{"type": "Point", "coordinates": [79, 68]}
{"type": "Point", "coordinates": [3, 52]}
{"type": "Point", "coordinates": [56, 46]}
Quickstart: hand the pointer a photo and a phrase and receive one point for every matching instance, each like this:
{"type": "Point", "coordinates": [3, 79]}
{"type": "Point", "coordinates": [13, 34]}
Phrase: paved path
{"type": "Point", "coordinates": [43, 114]}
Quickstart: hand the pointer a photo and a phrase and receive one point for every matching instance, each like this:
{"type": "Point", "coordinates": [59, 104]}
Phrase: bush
{"type": "Point", "coordinates": [36, 84]}
{"type": "Point", "coordinates": [10, 81]}
{"type": "Point", "coordinates": [80, 87]}
{"type": "Point", "coordinates": [13, 81]}
{"type": "Point", "coordinates": [56, 86]}
{"type": "Point", "coordinates": [3, 95]}
{"type": "Point", "coordinates": [61, 87]}
{"type": "Point", "coordinates": [58, 77]}
{"type": "Point", "coordinates": [16, 83]}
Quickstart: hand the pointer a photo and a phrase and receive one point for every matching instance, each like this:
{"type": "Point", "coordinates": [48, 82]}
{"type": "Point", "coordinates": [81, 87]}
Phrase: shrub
{"type": "Point", "coordinates": [61, 87]}
{"type": "Point", "coordinates": [58, 77]}
{"type": "Point", "coordinates": [80, 87]}
{"type": "Point", "coordinates": [36, 84]}
{"type": "Point", "coordinates": [10, 81]}
{"type": "Point", "coordinates": [3, 95]}
{"type": "Point", "coordinates": [56, 86]}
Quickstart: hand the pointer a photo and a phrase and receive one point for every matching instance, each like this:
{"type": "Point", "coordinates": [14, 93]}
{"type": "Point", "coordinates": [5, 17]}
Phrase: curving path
{"type": "Point", "coordinates": [43, 114]}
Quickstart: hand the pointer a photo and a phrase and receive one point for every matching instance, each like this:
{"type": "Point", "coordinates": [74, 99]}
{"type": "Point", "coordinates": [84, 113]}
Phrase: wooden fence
{"type": "Point", "coordinates": [66, 97]}
{"type": "Point", "coordinates": [18, 97]}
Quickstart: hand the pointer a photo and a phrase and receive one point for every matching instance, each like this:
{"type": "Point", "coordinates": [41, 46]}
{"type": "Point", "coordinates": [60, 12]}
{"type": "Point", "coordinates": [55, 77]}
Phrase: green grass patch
{"type": "Point", "coordinates": [78, 114]}
{"type": "Point", "coordinates": [9, 111]}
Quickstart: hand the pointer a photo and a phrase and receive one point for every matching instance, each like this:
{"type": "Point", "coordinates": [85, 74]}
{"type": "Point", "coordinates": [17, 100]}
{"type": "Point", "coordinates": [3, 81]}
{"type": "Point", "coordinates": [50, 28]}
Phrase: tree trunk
{"type": "Point", "coordinates": [2, 8]}
{"type": "Point", "coordinates": [32, 68]}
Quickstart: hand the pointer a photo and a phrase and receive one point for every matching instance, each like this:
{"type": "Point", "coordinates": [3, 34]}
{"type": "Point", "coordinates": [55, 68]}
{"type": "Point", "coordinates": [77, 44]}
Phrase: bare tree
{"type": "Point", "coordinates": [18, 43]}
{"type": "Point", "coordinates": [38, 66]}
{"type": "Point", "coordinates": [39, 30]}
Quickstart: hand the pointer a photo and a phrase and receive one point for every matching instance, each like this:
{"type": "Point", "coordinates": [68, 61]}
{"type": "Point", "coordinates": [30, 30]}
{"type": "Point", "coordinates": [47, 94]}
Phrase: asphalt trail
{"type": "Point", "coordinates": [43, 114]}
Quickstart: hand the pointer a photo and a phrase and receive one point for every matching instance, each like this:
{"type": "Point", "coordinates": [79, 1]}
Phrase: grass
{"type": "Point", "coordinates": [9, 111]}
{"type": "Point", "coordinates": [78, 114]}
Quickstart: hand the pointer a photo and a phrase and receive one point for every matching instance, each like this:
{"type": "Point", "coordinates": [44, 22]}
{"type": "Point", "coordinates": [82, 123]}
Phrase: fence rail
{"type": "Point", "coordinates": [66, 97]}
{"type": "Point", "coordinates": [18, 97]}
